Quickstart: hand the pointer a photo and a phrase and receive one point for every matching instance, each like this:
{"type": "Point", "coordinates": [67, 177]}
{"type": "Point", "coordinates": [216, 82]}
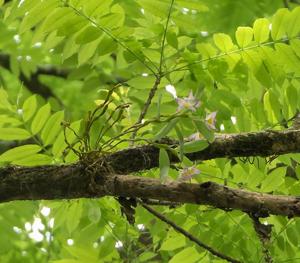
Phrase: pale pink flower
{"type": "Point", "coordinates": [188, 173]}
{"type": "Point", "coordinates": [189, 103]}
{"type": "Point", "coordinates": [211, 120]}
{"type": "Point", "coordinates": [195, 137]}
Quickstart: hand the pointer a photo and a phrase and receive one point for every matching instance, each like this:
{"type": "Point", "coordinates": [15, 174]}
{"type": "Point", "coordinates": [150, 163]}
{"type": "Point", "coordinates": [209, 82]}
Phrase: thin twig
{"type": "Point", "coordinates": [164, 37]}
{"type": "Point", "coordinates": [158, 76]}
{"type": "Point", "coordinates": [186, 66]}
{"type": "Point", "coordinates": [147, 104]}
{"type": "Point", "coordinates": [188, 235]}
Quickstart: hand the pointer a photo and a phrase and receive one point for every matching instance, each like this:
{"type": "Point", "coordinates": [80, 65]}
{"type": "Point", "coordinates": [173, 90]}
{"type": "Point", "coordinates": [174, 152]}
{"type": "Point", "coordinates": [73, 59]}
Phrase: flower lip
{"type": "Point", "coordinates": [189, 103]}
{"type": "Point", "coordinates": [211, 120]}
{"type": "Point", "coordinates": [188, 173]}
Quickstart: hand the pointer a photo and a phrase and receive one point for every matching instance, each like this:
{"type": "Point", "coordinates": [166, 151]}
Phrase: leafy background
{"type": "Point", "coordinates": [239, 58]}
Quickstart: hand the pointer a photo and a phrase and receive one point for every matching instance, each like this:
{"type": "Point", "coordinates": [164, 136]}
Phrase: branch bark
{"type": "Point", "coordinates": [263, 144]}
{"type": "Point", "coordinates": [92, 180]}
{"type": "Point", "coordinates": [77, 181]}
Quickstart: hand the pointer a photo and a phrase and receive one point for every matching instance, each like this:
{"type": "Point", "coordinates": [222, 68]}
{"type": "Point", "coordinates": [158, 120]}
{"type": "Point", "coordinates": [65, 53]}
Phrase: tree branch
{"type": "Point", "coordinates": [77, 181]}
{"type": "Point", "coordinates": [265, 143]}
{"type": "Point", "coordinates": [83, 180]}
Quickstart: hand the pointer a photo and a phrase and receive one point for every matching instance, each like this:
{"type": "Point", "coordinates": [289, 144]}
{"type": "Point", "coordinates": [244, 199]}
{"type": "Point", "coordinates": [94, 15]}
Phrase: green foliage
{"type": "Point", "coordinates": [240, 59]}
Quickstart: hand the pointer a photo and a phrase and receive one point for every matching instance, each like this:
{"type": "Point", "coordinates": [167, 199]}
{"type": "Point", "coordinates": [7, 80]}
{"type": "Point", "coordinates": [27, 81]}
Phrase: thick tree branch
{"type": "Point", "coordinates": [265, 143]}
{"type": "Point", "coordinates": [83, 180]}
{"type": "Point", "coordinates": [78, 180]}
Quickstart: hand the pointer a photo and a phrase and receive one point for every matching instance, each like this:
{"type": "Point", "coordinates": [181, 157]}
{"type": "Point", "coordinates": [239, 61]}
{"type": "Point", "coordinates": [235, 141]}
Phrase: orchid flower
{"type": "Point", "coordinates": [188, 173]}
{"type": "Point", "coordinates": [211, 120]}
{"type": "Point", "coordinates": [189, 103]}
{"type": "Point", "coordinates": [195, 137]}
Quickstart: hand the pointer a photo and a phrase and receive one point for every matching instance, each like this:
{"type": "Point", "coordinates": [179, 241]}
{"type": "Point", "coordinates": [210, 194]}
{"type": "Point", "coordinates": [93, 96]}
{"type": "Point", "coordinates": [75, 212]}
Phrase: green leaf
{"type": "Point", "coordinates": [87, 51]}
{"type": "Point", "coordinates": [207, 133]}
{"type": "Point", "coordinates": [181, 141]}
{"type": "Point", "coordinates": [12, 122]}
{"type": "Point", "coordinates": [19, 152]}
{"type": "Point", "coordinates": [292, 235]}
{"type": "Point", "coordinates": [94, 214]}
{"type": "Point", "coordinates": [34, 160]}
{"type": "Point", "coordinates": [113, 20]}
{"type": "Point", "coordinates": [172, 39]}
{"type": "Point", "coordinates": [295, 44]}
{"type": "Point", "coordinates": [261, 30]}
{"type": "Point", "coordinates": [252, 59]}
{"type": "Point", "coordinates": [195, 146]}
{"type": "Point", "coordinates": [141, 82]}
{"type": "Point", "coordinates": [206, 50]}
{"type": "Point", "coordinates": [29, 107]}
{"type": "Point", "coordinates": [193, 5]}
{"type": "Point", "coordinates": [59, 144]}
{"type": "Point", "coordinates": [273, 180]}
{"type": "Point", "coordinates": [173, 243]}
{"type": "Point", "coordinates": [164, 164]}
{"type": "Point", "coordinates": [40, 118]}
{"type": "Point", "coordinates": [66, 260]}
{"type": "Point", "coordinates": [223, 42]}
{"type": "Point", "coordinates": [155, 7]}
{"type": "Point", "coordinates": [293, 28]}
{"type": "Point", "coordinates": [74, 214]}
{"type": "Point", "coordinates": [56, 18]}
{"type": "Point", "coordinates": [166, 129]}
{"type": "Point", "coordinates": [287, 58]}
{"type": "Point", "coordinates": [37, 14]}
{"type": "Point", "coordinates": [244, 36]}
{"type": "Point", "coordinates": [88, 34]}
{"type": "Point", "coordinates": [52, 128]}
{"type": "Point", "coordinates": [279, 24]}
{"type": "Point", "coordinates": [146, 256]}
{"type": "Point", "coordinates": [106, 46]}
{"type": "Point", "coordinates": [88, 234]}
{"type": "Point", "coordinates": [292, 97]}
{"type": "Point", "coordinates": [10, 134]}
{"type": "Point", "coordinates": [187, 255]}
{"type": "Point", "coordinates": [272, 106]}
{"type": "Point", "coordinates": [4, 103]}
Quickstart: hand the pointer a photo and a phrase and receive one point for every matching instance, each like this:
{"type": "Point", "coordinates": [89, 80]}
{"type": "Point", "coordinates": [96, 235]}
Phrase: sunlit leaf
{"type": "Point", "coordinates": [261, 30]}
{"type": "Point", "coordinates": [244, 36]}
{"type": "Point", "coordinates": [29, 107]}
{"type": "Point", "coordinates": [40, 118]}
{"type": "Point", "coordinates": [19, 152]}
{"type": "Point", "coordinates": [195, 146]}
{"type": "Point", "coordinates": [9, 134]}
{"type": "Point", "coordinates": [52, 127]}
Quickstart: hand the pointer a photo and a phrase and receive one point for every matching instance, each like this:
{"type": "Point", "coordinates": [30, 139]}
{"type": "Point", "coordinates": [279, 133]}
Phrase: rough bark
{"type": "Point", "coordinates": [89, 179]}
{"type": "Point", "coordinates": [77, 181]}
{"type": "Point", "coordinates": [265, 143]}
